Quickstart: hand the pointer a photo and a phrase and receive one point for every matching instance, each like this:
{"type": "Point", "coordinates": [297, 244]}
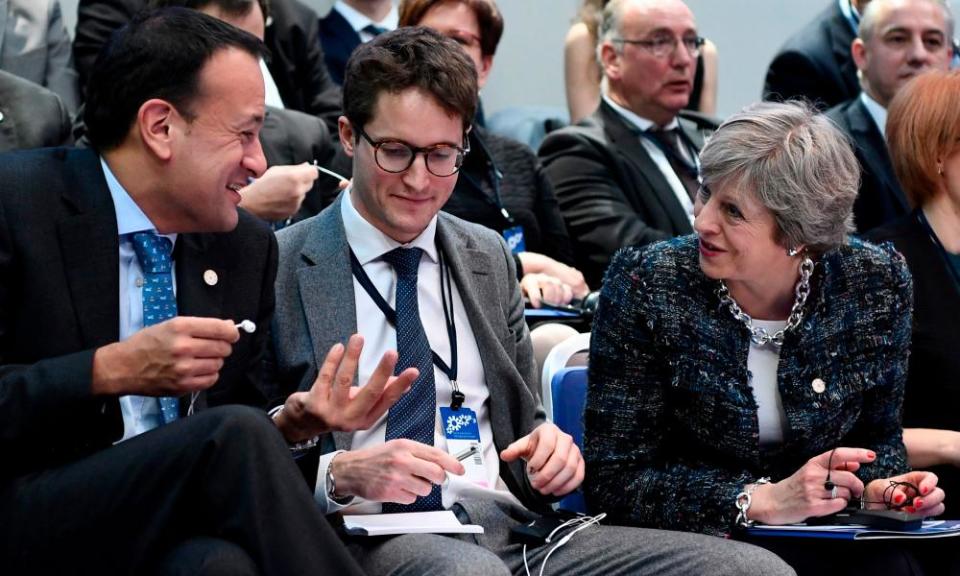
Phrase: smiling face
{"type": "Point", "coordinates": [738, 239]}
{"type": "Point", "coordinates": [652, 87]}
{"type": "Point", "coordinates": [456, 20]}
{"type": "Point", "coordinates": [909, 38]}
{"type": "Point", "coordinates": [401, 205]}
{"type": "Point", "coordinates": [213, 155]}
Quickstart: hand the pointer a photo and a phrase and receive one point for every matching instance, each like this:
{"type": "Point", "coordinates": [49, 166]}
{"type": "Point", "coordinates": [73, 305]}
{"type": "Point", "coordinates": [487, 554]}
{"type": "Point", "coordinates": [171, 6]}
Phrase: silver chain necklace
{"type": "Point", "coordinates": [758, 335]}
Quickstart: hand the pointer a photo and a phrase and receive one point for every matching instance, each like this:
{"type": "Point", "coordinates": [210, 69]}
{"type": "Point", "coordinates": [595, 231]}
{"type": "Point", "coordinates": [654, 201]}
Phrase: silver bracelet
{"type": "Point", "coordinates": [301, 446]}
{"type": "Point", "coordinates": [744, 499]}
{"type": "Point", "coordinates": [332, 484]}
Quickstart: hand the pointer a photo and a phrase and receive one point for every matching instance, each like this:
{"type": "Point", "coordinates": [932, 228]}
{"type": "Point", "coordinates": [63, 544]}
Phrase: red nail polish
{"type": "Point", "coordinates": [898, 498]}
{"type": "Point", "coordinates": [918, 503]}
{"type": "Point", "coordinates": [871, 455]}
{"type": "Point", "coordinates": [911, 509]}
{"type": "Point", "coordinates": [924, 490]}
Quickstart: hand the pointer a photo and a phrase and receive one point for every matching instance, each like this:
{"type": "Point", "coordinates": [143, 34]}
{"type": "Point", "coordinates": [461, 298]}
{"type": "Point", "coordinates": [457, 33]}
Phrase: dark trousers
{"type": "Point", "coordinates": [215, 493]}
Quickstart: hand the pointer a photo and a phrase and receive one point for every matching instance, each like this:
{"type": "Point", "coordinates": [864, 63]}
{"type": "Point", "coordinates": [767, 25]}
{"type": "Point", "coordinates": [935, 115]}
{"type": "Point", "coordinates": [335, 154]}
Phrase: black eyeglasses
{"type": "Point", "coordinates": [396, 156]}
{"type": "Point", "coordinates": [663, 46]}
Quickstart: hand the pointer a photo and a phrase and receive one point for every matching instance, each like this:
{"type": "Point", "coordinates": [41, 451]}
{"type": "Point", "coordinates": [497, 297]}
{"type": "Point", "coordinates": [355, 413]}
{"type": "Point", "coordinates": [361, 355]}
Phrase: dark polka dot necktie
{"type": "Point", "coordinates": [159, 301]}
{"type": "Point", "coordinates": [413, 415]}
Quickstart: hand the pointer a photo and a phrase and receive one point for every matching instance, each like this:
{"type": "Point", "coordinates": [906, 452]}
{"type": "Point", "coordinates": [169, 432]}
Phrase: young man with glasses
{"type": "Point", "coordinates": [470, 435]}
{"type": "Point", "coordinates": [628, 173]}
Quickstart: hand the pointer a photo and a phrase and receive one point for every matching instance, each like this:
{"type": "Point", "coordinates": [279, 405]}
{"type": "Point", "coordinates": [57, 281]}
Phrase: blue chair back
{"type": "Point", "coordinates": [569, 391]}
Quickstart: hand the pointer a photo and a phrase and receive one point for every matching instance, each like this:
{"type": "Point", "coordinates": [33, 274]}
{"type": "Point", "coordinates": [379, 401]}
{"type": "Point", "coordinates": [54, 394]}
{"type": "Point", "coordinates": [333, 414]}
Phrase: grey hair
{"type": "Point", "coordinates": [796, 163]}
{"type": "Point", "coordinates": [871, 15]}
{"type": "Point", "coordinates": [610, 22]}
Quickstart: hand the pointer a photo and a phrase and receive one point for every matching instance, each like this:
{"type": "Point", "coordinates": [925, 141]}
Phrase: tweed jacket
{"type": "Point", "coordinates": [671, 422]}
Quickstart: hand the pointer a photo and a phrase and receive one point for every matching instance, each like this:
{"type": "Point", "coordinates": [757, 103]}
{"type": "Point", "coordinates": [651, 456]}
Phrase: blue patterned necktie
{"type": "Point", "coordinates": [413, 415]}
{"type": "Point", "coordinates": [159, 301]}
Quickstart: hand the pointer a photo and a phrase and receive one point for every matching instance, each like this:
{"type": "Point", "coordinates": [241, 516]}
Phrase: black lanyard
{"type": "Point", "coordinates": [691, 169]}
{"type": "Point", "coordinates": [921, 217]}
{"type": "Point", "coordinates": [457, 397]}
{"type": "Point", "coordinates": [495, 176]}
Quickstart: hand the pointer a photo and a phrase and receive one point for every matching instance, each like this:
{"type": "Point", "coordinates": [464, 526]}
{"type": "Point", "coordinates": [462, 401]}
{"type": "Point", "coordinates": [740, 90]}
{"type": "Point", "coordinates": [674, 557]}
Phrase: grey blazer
{"type": "Point", "coordinates": [316, 309]}
{"type": "Point", "coordinates": [34, 44]}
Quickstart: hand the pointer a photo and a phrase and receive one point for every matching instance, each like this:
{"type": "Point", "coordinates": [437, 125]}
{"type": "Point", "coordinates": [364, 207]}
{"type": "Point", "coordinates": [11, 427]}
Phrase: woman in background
{"type": "Point", "coordinates": [923, 134]}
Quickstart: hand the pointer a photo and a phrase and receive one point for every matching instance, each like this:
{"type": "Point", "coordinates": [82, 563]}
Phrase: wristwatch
{"type": "Point", "coordinates": [331, 484]}
{"type": "Point", "coordinates": [299, 448]}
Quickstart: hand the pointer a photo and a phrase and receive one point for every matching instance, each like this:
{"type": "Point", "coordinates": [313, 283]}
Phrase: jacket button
{"type": "Point", "coordinates": [818, 385]}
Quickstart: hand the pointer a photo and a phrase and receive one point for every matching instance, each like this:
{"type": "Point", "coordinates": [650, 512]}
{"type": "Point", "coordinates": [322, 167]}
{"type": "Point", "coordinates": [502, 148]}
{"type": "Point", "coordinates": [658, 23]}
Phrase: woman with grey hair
{"type": "Point", "coordinates": [754, 371]}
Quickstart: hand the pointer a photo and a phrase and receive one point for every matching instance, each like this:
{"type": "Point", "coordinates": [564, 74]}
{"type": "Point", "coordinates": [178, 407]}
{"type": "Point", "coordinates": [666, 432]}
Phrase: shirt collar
{"type": "Point", "coordinates": [877, 112]}
{"type": "Point", "coordinates": [130, 218]}
{"type": "Point", "coordinates": [369, 243]}
{"type": "Point", "coordinates": [851, 14]}
{"type": "Point", "coordinates": [641, 123]}
{"type": "Point", "coordinates": [358, 21]}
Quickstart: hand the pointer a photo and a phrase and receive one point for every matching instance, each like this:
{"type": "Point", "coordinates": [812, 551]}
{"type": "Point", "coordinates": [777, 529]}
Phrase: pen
{"type": "Point", "coordinates": [467, 453]}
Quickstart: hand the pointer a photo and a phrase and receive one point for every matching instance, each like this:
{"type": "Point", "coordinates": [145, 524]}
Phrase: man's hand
{"type": "Point", "coordinates": [397, 471]}
{"type": "Point", "coordinates": [172, 358]}
{"type": "Point", "coordinates": [279, 192]}
{"type": "Point", "coordinates": [554, 463]}
{"type": "Point", "coordinates": [334, 403]}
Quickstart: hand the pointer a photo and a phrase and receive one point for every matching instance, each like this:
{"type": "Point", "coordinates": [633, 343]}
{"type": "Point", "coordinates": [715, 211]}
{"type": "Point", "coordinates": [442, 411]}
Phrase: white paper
{"type": "Point", "coordinates": [439, 522]}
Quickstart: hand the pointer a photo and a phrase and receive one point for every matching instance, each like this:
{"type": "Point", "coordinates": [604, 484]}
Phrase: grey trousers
{"type": "Point", "coordinates": [597, 550]}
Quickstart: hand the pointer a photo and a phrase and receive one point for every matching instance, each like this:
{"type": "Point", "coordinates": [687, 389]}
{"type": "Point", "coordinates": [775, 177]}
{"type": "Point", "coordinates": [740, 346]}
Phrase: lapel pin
{"type": "Point", "coordinates": [819, 386]}
{"type": "Point", "coordinates": [211, 278]}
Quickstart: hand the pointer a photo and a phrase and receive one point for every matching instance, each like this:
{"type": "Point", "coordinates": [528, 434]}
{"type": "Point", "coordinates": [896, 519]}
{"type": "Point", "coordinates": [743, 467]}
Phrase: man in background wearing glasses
{"type": "Point", "coordinates": [470, 435]}
{"type": "Point", "coordinates": [628, 173]}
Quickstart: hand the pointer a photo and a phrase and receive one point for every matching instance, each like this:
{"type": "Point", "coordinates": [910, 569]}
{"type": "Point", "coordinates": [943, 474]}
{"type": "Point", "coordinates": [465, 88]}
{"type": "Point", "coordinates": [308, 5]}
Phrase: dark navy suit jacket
{"type": "Point", "coordinates": [339, 40]}
{"type": "Point", "coordinates": [880, 199]}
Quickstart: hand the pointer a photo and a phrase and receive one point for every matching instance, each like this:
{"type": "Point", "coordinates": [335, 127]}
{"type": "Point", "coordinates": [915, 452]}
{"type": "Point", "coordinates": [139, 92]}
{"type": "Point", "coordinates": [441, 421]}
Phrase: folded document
{"type": "Point", "coordinates": [440, 522]}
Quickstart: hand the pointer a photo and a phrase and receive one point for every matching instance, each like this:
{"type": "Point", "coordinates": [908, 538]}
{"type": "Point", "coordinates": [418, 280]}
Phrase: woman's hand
{"type": "Point", "coordinates": [927, 497]}
{"type": "Point", "coordinates": [804, 494]}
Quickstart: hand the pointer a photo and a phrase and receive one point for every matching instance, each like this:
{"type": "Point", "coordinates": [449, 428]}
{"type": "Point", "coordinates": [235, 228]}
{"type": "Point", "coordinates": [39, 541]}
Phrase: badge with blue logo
{"type": "Point", "coordinates": [514, 238]}
{"type": "Point", "coordinates": [463, 441]}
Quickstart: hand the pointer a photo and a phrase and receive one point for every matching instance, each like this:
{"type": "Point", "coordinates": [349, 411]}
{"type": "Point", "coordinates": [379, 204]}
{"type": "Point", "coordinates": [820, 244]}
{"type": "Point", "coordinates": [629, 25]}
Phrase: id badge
{"type": "Point", "coordinates": [463, 442]}
{"type": "Point", "coordinates": [514, 238]}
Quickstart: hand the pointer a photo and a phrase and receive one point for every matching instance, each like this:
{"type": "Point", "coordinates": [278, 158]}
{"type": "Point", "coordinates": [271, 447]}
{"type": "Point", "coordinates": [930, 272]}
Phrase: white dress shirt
{"type": "Point", "coordinates": [877, 112]}
{"type": "Point", "coordinates": [270, 90]}
{"type": "Point", "coordinates": [369, 244]}
{"type": "Point", "coordinates": [140, 413]}
{"type": "Point", "coordinates": [359, 21]}
{"type": "Point", "coordinates": [657, 155]}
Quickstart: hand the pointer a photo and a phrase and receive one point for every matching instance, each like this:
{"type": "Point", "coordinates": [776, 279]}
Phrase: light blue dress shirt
{"type": "Point", "coordinates": [140, 413]}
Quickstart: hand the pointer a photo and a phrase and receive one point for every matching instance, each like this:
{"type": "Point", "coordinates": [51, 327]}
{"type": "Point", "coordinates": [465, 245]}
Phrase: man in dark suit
{"type": "Point", "coordinates": [470, 436]}
{"type": "Point", "coordinates": [815, 63]}
{"type": "Point", "coordinates": [349, 24]}
{"type": "Point", "coordinates": [898, 39]}
{"type": "Point", "coordinates": [295, 58]}
{"type": "Point", "coordinates": [30, 115]}
{"type": "Point", "coordinates": [123, 270]}
{"type": "Point", "coordinates": [628, 173]}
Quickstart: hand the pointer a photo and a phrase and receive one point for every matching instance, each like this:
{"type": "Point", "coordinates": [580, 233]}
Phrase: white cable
{"type": "Point", "coordinates": [585, 523]}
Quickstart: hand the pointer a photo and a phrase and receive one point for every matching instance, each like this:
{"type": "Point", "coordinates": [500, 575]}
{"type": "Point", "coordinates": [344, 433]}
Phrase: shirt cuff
{"type": "Point", "coordinates": [328, 506]}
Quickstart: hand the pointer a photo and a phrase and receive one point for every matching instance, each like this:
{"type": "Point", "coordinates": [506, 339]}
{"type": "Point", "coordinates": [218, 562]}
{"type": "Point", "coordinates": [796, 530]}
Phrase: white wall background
{"type": "Point", "coordinates": [529, 66]}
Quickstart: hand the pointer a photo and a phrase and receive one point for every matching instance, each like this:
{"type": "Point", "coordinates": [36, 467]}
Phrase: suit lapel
{"type": "Point", "coordinates": [627, 142]}
{"type": "Point", "coordinates": [841, 37]}
{"type": "Point", "coordinates": [325, 277]}
{"type": "Point", "coordinates": [90, 246]}
{"type": "Point", "coordinates": [870, 140]}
